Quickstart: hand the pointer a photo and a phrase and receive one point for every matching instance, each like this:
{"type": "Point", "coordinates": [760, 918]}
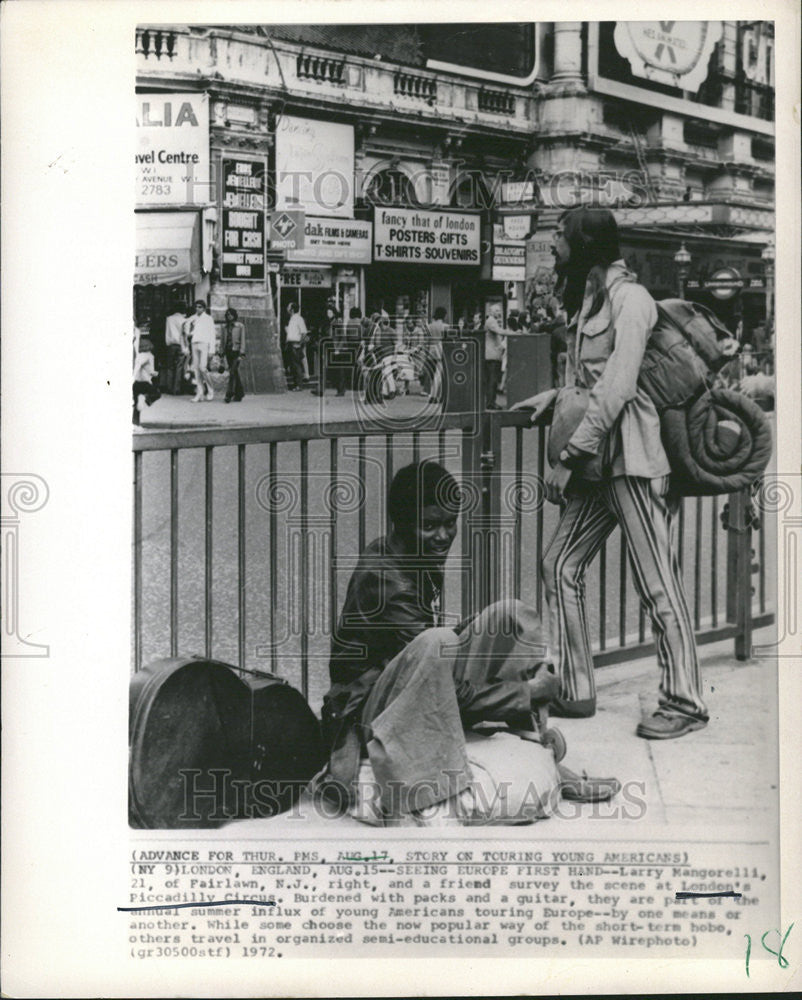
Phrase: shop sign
{"type": "Point", "coordinates": [299, 277]}
{"type": "Point", "coordinates": [509, 257]}
{"type": "Point", "coordinates": [539, 258]}
{"type": "Point", "coordinates": [315, 166]}
{"type": "Point", "coordinates": [243, 183]}
{"type": "Point", "coordinates": [516, 227]}
{"type": "Point", "coordinates": [172, 155]}
{"type": "Point", "coordinates": [243, 230]}
{"type": "Point", "coordinates": [674, 53]}
{"type": "Point", "coordinates": [417, 236]}
{"type": "Point", "coordinates": [285, 230]}
{"type": "Point", "coordinates": [335, 241]}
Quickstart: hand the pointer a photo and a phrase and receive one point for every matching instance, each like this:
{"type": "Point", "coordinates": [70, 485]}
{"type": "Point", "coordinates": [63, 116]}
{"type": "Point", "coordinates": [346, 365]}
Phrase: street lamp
{"type": "Point", "coordinates": [767, 256]}
{"type": "Point", "coordinates": [682, 259]}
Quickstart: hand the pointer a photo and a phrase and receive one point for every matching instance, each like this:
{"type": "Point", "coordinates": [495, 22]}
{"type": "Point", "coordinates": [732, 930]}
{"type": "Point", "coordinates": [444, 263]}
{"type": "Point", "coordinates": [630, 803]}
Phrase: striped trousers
{"type": "Point", "coordinates": [640, 507]}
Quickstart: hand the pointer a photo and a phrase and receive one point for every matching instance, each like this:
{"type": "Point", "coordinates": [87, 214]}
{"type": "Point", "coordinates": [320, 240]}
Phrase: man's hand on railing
{"type": "Point", "coordinates": [540, 405]}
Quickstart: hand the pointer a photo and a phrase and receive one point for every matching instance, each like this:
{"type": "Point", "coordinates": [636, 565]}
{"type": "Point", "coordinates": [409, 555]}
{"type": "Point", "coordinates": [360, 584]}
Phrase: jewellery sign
{"type": "Point", "coordinates": [172, 156]}
{"type": "Point", "coordinates": [243, 256]}
{"type": "Point", "coordinates": [674, 53]}
{"type": "Point", "coordinates": [414, 236]}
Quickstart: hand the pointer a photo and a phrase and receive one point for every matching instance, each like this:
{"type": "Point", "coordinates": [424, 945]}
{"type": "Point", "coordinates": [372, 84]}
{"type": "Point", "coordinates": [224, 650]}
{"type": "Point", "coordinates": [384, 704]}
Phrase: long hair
{"type": "Point", "coordinates": [592, 235]}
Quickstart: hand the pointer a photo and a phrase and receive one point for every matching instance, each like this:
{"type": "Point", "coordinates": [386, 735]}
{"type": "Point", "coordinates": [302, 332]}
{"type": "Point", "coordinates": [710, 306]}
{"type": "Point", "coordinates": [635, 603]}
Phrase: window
{"type": "Point", "coordinates": [390, 187]}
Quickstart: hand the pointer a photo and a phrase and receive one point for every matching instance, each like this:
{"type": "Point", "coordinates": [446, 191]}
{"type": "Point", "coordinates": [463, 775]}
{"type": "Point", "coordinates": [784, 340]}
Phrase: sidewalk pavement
{"type": "Point", "coordinates": [723, 777]}
{"type": "Point", "coordinates": [274, 410]}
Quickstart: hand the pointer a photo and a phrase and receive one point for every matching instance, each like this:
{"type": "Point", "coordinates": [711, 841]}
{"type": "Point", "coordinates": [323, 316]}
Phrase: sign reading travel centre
{"type": "Point", "coordinates": [415, 236]}
{"type": "Point", "coordinates": [172, 156]}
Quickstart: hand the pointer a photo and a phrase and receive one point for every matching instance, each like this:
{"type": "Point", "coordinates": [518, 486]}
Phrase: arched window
{"type": "Point", "coordinates": [390, 187]}
{"type": "Point", "coordinates": [469, 190]}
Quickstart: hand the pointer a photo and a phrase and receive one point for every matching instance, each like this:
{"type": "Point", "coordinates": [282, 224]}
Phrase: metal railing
{"type": "Point", "coordinates": [245, 538]}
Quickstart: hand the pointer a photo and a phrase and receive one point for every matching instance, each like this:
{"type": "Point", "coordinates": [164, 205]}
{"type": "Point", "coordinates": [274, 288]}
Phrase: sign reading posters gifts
{"type": "Point", "coordinates": [413, 235]}
{"type": "Point", "coordinates": [243, 233]}
{"type": "Point", "coordinates": [315, 166]}
{"type": "Point", "coordinates": [172, 155]}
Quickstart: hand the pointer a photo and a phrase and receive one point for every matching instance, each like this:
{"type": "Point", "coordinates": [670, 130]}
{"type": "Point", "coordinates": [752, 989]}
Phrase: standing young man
{"type": "Point", "coordinates": [204, 339]}
{"type": "Point", "coordinates": [613, 470]}
{"type": "Point", "coordinates": [296, 339]}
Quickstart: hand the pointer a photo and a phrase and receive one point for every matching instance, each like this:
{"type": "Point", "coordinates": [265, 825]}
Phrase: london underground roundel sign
{"type": "Point", "coordinates": [675, 53]}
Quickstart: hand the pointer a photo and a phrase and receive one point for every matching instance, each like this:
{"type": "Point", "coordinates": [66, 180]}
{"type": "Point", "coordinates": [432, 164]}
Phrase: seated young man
{"type": "Point", "coordinates": [404, 689]}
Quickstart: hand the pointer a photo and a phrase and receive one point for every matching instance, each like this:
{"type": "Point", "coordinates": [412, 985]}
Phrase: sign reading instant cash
{"type": "Point", "coordinates": [416, 236]}
{"type": "Point", "coordinates": [243, 220]}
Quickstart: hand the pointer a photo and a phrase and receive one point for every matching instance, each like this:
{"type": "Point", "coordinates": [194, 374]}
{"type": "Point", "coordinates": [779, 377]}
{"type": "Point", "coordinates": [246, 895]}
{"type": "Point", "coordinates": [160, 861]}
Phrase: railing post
{"type": "Point", "coordinates": [491, 506]}
{"type": "Point", "coordinates": [739, 571]}
{"type": "Point", "coordinates": [473, 568]}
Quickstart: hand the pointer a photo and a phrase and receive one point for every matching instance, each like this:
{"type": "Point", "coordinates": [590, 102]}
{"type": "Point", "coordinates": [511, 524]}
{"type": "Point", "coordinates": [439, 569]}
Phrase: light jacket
{"type": "Point", "coordinates": [605, 352]}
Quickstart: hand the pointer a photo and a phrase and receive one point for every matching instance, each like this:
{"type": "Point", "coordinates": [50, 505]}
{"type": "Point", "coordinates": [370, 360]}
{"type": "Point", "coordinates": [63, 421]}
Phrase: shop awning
{"type": "Point", "coordinates": [168, 248]}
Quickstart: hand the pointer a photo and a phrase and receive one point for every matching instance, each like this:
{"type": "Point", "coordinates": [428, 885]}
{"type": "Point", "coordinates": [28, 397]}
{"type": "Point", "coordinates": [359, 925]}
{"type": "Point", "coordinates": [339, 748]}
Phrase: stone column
{"type": "Point", "coordinates": [567, 52]}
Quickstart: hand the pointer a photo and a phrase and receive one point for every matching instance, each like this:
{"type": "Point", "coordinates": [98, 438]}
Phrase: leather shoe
{"type": "Point", "coordinates": [562, 709]}
{"type": "Point", "coordinates": [581, 788]}
{"type": "Point", "coordinates": [668, 726]}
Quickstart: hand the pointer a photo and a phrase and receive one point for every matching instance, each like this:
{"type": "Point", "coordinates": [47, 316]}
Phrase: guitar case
{"type": "Point", "coordinates": [209, 743]}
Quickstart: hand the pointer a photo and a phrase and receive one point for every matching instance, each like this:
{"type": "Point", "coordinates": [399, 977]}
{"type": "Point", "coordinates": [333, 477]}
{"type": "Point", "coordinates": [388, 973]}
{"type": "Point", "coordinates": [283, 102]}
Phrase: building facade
{"type": "Point", "coordinates": [411, 167]}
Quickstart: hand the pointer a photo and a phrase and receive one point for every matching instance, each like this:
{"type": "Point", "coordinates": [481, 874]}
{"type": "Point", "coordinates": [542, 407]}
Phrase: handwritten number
{"type": "Point", "coordinates": [782, 961]}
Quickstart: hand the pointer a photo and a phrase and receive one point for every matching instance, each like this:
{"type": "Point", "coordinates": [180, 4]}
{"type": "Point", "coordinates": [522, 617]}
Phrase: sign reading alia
{"type": "Point", "coordinates": [415, 236]}
{"type": "Point", "coordinates": [675, 53]}
{"type": "Point", "coordinates": [172, 156]}
{"type": "Point", "coordinates": [243, 232]}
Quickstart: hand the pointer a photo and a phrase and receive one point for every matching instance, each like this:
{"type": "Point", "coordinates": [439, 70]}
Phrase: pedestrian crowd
{"type": "Point", "coordinates": [197, 354]}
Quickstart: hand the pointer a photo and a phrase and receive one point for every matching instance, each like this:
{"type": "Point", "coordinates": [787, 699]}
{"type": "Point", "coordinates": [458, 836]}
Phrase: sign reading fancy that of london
{"type": "Point", "coordinates": [674, 53]}
{"type": "Point", "coordinates": [172, 156]}
{"type": "Point", "coordinates": [415, 236]}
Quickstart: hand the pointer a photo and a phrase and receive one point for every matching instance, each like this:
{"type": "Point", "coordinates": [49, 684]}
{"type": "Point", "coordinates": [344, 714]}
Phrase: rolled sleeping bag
{"type": "Point", "coordinates": [719, 444]}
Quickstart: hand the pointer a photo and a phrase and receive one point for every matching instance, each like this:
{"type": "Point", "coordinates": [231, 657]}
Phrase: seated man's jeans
{"type": "Point", "coordinates": [413, 720]}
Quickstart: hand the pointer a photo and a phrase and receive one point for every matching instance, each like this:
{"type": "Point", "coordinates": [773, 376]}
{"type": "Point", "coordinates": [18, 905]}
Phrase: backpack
{"type": "Point", "coordinates": [686, 347]}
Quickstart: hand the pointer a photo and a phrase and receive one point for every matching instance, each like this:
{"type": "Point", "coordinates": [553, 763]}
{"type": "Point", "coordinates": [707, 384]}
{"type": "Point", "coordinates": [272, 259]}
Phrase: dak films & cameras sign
{"type": "Point", "coordinates": [335, 241]}
{"type": "Point", "coordinates": [415, 236]}
{"type": "Point", "coordinates": [172, 156]}
{"type": "Point", "coordinates": [243, 233]}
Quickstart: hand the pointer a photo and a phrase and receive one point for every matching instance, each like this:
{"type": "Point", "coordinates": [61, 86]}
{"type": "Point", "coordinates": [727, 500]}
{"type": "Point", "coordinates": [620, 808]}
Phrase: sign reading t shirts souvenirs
{"type": "Point", "coordinates": [675, 53]}
{"type": "Point", "coordinates": [172, 156]}
{"type": "Point", "coordinates": [415, 236]}
{"type": "Point", "coordinates": [243, 256]}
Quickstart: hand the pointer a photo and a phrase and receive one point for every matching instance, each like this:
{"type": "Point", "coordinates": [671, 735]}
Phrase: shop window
{"type": "Point", "coordinates": [390, 187]}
